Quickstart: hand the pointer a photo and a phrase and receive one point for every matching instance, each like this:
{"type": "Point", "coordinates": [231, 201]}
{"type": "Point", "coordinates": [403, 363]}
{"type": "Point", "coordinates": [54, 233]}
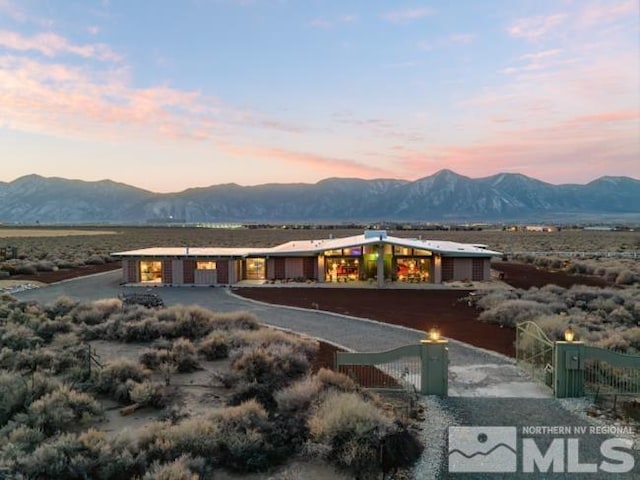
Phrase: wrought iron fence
{"type": "Point", "coordinates": [534, 352]}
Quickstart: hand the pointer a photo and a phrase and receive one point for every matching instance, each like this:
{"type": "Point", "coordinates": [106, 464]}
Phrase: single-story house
{"type": "Point", "coordinates": [373, 256]}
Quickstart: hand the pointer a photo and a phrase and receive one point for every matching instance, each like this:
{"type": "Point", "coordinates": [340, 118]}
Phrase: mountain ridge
{"type": "Point", "coordinates": [445, 195]}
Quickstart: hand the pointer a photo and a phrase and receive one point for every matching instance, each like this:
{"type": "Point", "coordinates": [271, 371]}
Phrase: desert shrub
{"type": "Point", "coordinates": [494, 298]}
{"type": "Point", "coordinates": [353, 428]}
{"type": "Point", "coordinates": [144, 330]}
{"type": "Point", "coordinates": [184, 355]}
{"type": "Point", "coordinates": [78, 457]}
{"type": "Point", "coordinates": [512, 312]}
{"type": "Point", "coordinates": [339, 381]}
{"type": "Point", "coordinates": [614, 341]}
{"type": "Point", "coordinates": [632, 336]}
{"type": "Point", "coordinates": [60, 307]}
{"type": "Point", "coordinates": [271, 337]}
{"type": "Point", "coordinates": [626, 277]}
{"type": "Point", "coordinates": [62, 408]}
{"type": "Point", "coordinates": [298, 396]}
{"type": "Point", "coordinates": [621, 316]}
{"type": "Point", "coordinates": [263, 394]}
{"type": "Point", "coordinates": [179, 469]}
{"type": "Point", "coordinates": [95, 260]}
{"type": "Point", "coordinates": [46, 266]}
{"type": "Point", "coordinates": [147, 393]}
{"type": "Point", "coordinates": [214, 346]}
{"type": "Point", "coordinates": [25, 439]}
{"type": "Point", "coordinates": [236, 321]}
{"type": "Point", "coordinates": [26, 268]}
{"type": "Point", "coordinates": [112, 379]}
{"type": "Point", "coordinates": [17, 392]}
{"type": "Point", "coordinates": [18, 337]}
{"type": "Point", "coordinates": [241, 433]}
{"type": "Point", "coordinates": [274, 365]}
{"type": "Point", "coordinates": [48, 328]}
{"type": "Point", "coordinates": [191, 322]}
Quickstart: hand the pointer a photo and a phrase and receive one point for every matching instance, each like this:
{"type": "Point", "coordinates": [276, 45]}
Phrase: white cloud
{"type": "Point", "coordinates": [534, 28]}
{"type": "Point", "coordinates": [407, 15]}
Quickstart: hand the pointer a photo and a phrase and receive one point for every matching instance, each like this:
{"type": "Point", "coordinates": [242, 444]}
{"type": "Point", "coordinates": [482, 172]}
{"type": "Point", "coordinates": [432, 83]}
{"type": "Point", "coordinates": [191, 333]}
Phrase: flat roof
{"type": "Point", "coordinates": [314, 247]}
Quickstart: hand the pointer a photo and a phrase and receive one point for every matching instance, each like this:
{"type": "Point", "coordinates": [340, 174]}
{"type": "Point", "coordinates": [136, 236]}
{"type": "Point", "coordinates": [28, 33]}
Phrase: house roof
{"type": "Point", "coordinates": [313, 247]}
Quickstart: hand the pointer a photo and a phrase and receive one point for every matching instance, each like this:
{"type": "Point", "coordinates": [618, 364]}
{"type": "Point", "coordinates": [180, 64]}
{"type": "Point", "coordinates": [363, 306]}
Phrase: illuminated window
{"type": "Point", "coordinates": [205, 265]}
{"type": "Point", "coordinates": [333, 253]}
{"type": "Point", "coordinates": [421, 253]}
{"type": "Point", "coordinates": [255, 269]}
{"type": "Point", "coordinates": [151, 272]}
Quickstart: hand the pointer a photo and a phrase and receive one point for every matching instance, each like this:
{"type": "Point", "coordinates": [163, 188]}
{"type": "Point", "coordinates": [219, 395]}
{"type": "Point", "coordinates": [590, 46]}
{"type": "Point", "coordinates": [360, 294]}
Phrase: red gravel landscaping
{"type": "Point", "coordinates": [423, 309]}
{"type": "Point", "coordinates": [419, 309]}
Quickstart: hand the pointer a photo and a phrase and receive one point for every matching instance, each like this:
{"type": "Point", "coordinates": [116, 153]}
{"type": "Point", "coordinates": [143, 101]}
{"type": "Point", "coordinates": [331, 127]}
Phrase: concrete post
{"type": "Point", "coordinates": [434, 355]}
{"type": "Point", "coordinates": [380, 265]}
{"type": "Point", "coordinates": [569, 369]}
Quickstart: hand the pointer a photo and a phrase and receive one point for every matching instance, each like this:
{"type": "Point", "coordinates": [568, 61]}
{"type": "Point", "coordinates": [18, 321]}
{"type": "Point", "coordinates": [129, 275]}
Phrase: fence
{"type": "Point", "coordinates": [608, 372]}
{"type": "Point", "coordinates": [420, 367]}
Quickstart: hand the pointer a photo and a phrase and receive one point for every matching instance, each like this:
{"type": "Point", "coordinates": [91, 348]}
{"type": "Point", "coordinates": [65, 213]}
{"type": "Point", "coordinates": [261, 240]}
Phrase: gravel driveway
{"type": "Point", "coordinates": [486, 389]}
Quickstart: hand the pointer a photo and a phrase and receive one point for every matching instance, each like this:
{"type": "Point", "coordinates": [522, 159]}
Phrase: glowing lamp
{"type": "Point", "coordinates": [569, 334]}
{"type": "Point", "coordinates": [434, 334]}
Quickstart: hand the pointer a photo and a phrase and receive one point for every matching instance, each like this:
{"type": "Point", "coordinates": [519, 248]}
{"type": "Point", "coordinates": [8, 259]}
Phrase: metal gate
{"type": "Point", "coordinates": [534, 352]}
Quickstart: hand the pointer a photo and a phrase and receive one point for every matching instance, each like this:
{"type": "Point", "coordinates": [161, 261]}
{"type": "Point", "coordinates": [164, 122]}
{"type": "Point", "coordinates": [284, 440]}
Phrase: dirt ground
{"type": "Point", "coordinates": [521, 275]}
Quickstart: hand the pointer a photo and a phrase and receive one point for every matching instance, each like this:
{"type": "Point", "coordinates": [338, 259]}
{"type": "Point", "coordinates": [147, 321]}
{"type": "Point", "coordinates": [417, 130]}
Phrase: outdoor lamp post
{"type": "Point", "coordinates": [435, 363]}
{"type": "Point", "coordinates": [569, 334]}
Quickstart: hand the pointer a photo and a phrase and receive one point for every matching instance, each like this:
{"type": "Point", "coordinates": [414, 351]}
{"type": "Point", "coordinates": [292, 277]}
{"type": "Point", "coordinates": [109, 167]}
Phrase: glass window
{"type": "Point", "coordinates": [205, 265]}
{"type": "Point", "coordinates": [255, 269]}
{"type": "Point", "coordinates": [150, 271]}
{"type": "Point", "coordinates": [333, 253]}
{"type": "Point", "coordinates": [421, 253]}
{"type": "Point", "coordinates": [401, 251]}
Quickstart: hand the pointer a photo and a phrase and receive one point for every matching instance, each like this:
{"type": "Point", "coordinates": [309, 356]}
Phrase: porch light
{"type": "Point", "coordinates": [569, 334]}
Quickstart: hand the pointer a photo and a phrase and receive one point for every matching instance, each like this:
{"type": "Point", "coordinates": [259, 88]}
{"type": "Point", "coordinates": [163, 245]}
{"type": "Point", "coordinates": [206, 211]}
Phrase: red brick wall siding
{"type": "Point", "coordinates": [131, 271]}
{"type": "Point", "coordinates": [279, 270]}
{"type": "Point", "coordinates": [477, 272]}
{"type": "Point", "coordinates": [167, 271]}
{"type": "Point", "coordinates": [189, 269]}
{"type": "Point", "coordinates": [447, 269]}
{"type": "Point", "coordinates": [222, 267]}
{"type": "Point", "coordinates": [309, 268]}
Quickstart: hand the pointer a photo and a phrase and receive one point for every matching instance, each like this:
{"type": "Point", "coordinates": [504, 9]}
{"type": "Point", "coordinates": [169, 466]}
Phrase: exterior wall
{"type": "Point", "coordinates": [130, 271]}
{"type": "Point", "coordinates": [222, 267]}
{"type": "Point", "coordinates": [462, 268]}
{"type": "Point", "coordinates": [481, 269]}
{"type": "Point", "coordinates": [167, 272]}
{"type": "Point", "coordinates": [448, 271]}
{"type": "Point", "coordinates": [309, 268]}
{"type": "Point", "coordinates": [293, 268]}
{"type": "Point", "coordinates": [205, 277]}
{"type": "Point", "coordinates": [235, 271]}
{"type": "Point", "coordinates": [189, 267]}
{"type": "Point", "coordinates": [178, 272]}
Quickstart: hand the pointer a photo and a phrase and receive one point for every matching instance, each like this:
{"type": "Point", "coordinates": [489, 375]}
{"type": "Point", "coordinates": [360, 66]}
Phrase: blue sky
{"type": "Point", "coordinates": [169, 95]}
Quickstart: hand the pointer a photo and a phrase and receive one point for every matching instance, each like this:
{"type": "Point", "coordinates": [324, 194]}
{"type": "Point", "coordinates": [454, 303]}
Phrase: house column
{"type": "Point", "coordinates": [437, 268]}
{"type": "Point", "coordinates": [380, 265]}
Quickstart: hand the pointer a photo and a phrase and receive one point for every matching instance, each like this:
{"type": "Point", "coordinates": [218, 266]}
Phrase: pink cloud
{"type": "Point", "coordinates": [578, 149]}
{"type": "Point", "coordinates": [323, 164]}
{"type": "Point", "coordinates": [51, 45]}
{"type": "Point", "coordinates": [599, 13]}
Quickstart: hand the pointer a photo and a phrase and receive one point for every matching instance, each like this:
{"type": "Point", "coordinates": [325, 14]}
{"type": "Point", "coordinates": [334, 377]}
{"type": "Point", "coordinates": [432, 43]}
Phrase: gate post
{"type": "Point", "coordinates": [434, 356]}
{"type": "Point", "coordinates": [569, 369]}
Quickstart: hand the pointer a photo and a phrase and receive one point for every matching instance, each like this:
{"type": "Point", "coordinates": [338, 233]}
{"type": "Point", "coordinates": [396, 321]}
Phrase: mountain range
{"type": "Point", "coordinates": [444, 196]}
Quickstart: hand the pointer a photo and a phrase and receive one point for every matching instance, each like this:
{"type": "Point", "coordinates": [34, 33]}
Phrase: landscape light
{"type": "Point", "coordinates": [569, 334]}
{"type": "Point", "coordinates": [434, 334]}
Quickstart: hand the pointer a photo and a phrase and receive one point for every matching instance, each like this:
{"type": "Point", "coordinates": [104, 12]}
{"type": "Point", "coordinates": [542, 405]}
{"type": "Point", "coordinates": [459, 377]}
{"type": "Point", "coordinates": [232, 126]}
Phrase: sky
{"type": "Point", "coordinates": [167, 95]}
